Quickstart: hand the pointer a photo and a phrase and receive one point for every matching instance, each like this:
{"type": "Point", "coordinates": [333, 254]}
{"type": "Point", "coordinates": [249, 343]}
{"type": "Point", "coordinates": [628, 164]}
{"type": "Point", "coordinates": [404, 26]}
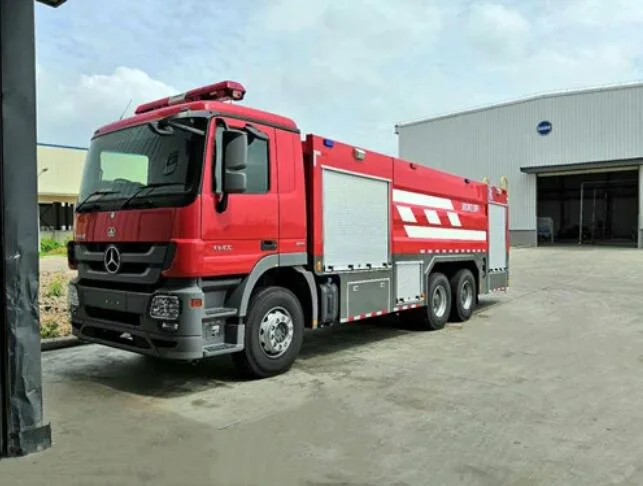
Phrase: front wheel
{"type": "Point", "coordinates": [274, 333]}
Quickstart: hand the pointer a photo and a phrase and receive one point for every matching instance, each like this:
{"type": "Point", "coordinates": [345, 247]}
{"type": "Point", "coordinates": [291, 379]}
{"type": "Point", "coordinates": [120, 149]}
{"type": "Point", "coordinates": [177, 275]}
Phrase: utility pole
{"type": "Point", "coordinates": [22, 430]}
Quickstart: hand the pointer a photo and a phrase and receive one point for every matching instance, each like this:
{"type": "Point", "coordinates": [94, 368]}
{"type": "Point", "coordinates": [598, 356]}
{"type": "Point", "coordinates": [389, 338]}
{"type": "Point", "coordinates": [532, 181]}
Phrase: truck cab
{"type": "Point", "coordinates": [177, 205]}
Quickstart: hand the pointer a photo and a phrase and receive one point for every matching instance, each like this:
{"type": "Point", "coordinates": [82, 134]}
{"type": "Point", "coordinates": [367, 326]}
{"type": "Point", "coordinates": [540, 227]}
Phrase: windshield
{"type": "Point", "coordinates": [143, 167]}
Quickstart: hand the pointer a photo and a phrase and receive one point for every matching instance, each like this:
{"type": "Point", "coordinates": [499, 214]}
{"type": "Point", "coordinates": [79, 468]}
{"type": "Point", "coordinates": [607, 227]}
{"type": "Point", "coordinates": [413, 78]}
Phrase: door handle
{"type": "Point", "coordinates": [268, 245]}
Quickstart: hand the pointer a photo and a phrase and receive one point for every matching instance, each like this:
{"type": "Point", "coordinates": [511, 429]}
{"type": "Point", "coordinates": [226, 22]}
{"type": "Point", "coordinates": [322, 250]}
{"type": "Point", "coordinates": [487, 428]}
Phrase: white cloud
{"type": "Point", "coordinates": [69, 111]}
{"type": "Point", "coordinates": [348, 70]}
{"type": "Point", "coordinates": [602, 12]}
{"type": "Point", "coordinates": [341, 71]}
{"type": "Point", "coordinates": [344, 49]}
{"type": "Point", "coordinates": [498, 30]}
{"type": "Point", "coordinates": [583, 66]}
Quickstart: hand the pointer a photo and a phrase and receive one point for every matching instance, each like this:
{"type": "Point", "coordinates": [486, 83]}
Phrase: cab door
{"type": "Point", "coordinates": [248, 228]}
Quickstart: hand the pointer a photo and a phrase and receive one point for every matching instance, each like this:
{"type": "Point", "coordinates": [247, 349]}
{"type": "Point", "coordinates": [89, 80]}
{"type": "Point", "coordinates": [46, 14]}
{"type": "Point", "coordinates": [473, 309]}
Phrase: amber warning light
{"type": "Point", "coordinates": [222, 91]}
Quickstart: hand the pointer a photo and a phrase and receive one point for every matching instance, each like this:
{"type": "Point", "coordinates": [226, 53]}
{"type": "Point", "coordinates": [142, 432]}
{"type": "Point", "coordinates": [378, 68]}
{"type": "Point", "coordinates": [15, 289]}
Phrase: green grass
{"type": "Point", "coordinates": [49, 329]}
{"type": "Point", "coordinates": [56, 289]}
{"type": "Point", "coordinates": [60, 251]}
{"type": "Point", "coordinates": [50, 247]}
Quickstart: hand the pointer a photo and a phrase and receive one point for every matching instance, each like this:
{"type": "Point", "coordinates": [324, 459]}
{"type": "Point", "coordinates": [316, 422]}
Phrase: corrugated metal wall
{"type": "Point", "coordinates": [590, 126]}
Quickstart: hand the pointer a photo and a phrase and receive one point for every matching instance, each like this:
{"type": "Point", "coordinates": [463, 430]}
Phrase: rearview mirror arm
{"type": "Point", "coordinates": [156, 128]}
{"type": "Point", "coordinates": [255, 132]}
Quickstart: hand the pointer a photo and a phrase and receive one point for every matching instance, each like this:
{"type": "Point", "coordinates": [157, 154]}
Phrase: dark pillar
{"type": "Point", "coordinates": [562, 201]}
{"type": "Point", "coordinates": [57, 211]}
{"type": "Point", "coordinates": [21, 428]}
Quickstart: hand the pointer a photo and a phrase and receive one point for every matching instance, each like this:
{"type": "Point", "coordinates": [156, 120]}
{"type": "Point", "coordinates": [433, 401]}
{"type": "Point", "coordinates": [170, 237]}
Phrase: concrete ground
{"type": "Point", "coordinates": [53, 263]}
{"type": "Point", "coordinates": [543, 387]}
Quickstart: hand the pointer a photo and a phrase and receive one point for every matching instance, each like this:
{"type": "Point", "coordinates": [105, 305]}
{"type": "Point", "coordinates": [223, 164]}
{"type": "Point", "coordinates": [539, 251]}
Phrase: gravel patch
{"type": "Point", "coordinates": [54, 315]}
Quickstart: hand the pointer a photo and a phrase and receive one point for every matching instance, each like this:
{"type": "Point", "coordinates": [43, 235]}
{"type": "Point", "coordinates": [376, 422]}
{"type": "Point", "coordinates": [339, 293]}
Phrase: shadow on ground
{"type": "Point", "coordinates": [486, 303]}
{"type": "Point", "coordinates": [147, 376]}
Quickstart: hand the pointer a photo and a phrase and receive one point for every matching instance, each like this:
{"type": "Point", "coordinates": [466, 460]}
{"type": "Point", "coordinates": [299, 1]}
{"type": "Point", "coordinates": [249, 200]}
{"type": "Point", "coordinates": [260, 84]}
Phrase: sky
{"type": "Point", "coordinates": [350, 70]}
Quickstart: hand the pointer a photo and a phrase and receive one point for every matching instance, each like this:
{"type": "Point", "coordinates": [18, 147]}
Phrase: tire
{"type": "Point", "coordinates": [273, 311]}
{"type": "Point", "coordinates": [463, 290]}
{"type": "Point", "coordinates": [439, 292]}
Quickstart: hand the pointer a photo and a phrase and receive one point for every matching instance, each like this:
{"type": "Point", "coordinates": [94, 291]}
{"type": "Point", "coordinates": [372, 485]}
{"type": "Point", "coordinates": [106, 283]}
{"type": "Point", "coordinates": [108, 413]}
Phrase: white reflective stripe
{"type": "Point", "coordinates": [407, 197]}
{"type": "Point", "coordinates": [432, 216]}
{"type": "Point", "coordinates": [406, 214]}
{"type": "Point", "coordinates": [433, 233]}
{"type": "Point", "coordinates": [454, 219]}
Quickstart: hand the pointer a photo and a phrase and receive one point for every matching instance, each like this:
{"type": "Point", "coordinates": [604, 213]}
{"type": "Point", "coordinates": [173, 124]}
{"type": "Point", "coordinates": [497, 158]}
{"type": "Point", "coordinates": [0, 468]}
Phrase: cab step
{"type": "Point", "coordinates": [221, 348]}
{"type": "Point", "coordinates": [221, 312]}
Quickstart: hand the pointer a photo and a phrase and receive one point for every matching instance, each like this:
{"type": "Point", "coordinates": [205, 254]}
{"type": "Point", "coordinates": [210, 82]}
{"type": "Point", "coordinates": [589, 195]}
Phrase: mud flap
{"type": "Point", "coordinates": [498, 281]}
{"type": "Point", "coordinates": [498, 274]}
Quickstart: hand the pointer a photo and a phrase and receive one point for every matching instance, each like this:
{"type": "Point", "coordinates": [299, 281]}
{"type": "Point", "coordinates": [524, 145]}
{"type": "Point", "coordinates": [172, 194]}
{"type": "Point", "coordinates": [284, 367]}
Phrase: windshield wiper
{"type": "Point", "coordinates": [148, 186]}
{"type": "Point", "coordinates": [95, 193]}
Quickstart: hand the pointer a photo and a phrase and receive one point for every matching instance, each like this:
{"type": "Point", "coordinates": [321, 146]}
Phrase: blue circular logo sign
{"type": "Point", "coordinates": [544, 127]}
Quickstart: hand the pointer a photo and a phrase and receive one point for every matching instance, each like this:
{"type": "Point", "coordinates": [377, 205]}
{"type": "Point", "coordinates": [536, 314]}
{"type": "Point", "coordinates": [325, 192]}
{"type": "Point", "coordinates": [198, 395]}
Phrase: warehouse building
{"type": "Point", "coordinates": [60, 170]}
{"type": "Point", "coordinates": [573, 161]}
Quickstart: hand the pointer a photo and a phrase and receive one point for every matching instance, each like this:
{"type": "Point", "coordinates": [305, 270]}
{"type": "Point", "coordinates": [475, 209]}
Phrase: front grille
{"type": "Point", "coordinates": [125, 267]}
{"type": "Point", "coordinates": [123, 247]}
{"type": "Point", "coordinates": [132, 286]}
{"type": "Point", "coordinates": [139, 263]}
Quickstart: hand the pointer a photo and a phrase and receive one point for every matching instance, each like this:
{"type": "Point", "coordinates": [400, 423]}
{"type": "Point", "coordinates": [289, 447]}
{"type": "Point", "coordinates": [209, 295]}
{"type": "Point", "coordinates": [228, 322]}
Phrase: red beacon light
{"type": "Point", "coordinates": [222, 91]}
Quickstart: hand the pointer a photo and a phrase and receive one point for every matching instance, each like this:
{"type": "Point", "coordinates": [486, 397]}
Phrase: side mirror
{"type": "Point", "coordinates": [235, 160]}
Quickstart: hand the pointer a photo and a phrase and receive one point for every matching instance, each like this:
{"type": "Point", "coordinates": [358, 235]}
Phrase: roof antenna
{"type": "Point", "coordinates": [125, 110]}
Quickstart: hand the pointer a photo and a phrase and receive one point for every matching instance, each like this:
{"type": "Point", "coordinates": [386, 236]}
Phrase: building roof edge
{"type": "Point", "coordinates": [525, 99]}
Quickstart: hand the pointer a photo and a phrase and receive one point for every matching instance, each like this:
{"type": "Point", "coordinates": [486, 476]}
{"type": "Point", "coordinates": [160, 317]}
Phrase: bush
{"type": "Point", "coordinates": [49, 329]}
{"type": "Point", "coordinates": [48, 244]}
{"type": "Point", "coordinates": [60, 251]}
{"type": "Point", "coordinates": [56, 289]}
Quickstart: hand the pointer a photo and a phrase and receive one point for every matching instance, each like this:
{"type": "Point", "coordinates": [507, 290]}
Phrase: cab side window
{"type": "Point", "coordinates": [258, 170]}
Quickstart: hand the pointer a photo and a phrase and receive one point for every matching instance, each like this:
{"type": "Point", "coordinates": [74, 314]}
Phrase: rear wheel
{"type": "Point", "coordinates": [439, 302]}
{"type": "Point", "coordinates": [274, 333]}
{"type": "Point", "coordinates": [463, 289]}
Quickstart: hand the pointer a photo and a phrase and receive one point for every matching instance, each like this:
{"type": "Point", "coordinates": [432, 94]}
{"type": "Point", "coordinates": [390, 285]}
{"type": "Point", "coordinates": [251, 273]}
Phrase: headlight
{"type": "Point", "coordinates": [165, 307]}
{"type": "Point", "coordinates": [72, 296]}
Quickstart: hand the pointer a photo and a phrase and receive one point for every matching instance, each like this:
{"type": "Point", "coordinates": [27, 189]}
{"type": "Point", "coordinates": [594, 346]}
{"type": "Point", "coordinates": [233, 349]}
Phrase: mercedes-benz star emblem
{"type": "Point", "coordinates": [111, 232]}
{"type": "Point", "coordinates": [112, 259]}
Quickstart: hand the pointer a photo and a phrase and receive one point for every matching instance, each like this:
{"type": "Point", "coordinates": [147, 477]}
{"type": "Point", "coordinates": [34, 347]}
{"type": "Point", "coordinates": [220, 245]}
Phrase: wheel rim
{"type": "Point", "coordinates": [276, 332]}
{"type": "Point", "coordinates": [466, 295]}
{"type": "Point", "coordinates": [439, 303]}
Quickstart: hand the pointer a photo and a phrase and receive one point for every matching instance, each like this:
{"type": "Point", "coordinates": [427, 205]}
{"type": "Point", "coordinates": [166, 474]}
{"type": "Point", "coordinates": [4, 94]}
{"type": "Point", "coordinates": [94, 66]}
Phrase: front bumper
{"type": "Point", "coordinates": [120, 319]}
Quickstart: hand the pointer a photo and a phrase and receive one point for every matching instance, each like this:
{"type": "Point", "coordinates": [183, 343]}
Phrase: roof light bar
{"type": "Point", "coordinates": [222, 91]}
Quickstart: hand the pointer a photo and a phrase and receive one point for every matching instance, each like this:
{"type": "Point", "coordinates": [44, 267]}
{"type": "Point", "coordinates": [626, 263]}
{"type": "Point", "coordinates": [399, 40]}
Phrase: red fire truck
{"type": "Point", "coordinates": [204, 227]}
